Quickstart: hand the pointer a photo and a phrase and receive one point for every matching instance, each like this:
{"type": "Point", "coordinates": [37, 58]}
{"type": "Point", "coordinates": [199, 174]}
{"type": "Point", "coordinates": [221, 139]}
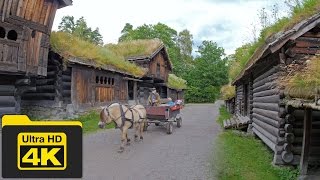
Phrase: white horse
{"type": "Point", "coordinates": [124, 118]}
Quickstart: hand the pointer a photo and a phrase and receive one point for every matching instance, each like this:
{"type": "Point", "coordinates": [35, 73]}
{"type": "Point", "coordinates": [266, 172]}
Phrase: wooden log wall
{"type": "Point", "coordinates": [239, 99]}
{"type": "Point", "coordinates": [8, 102]}
{"type": "Point", "coordinates": [296, 117]}
{"type": "Point", "coordinates": [268, 115]}
{"type": "Point", "coordinates": [56, 86]}
{"type": "Point", "coordinates": [24, 35]}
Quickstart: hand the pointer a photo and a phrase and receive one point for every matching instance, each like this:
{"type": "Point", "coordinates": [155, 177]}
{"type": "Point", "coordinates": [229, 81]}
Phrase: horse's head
{"type": "Point", "coordinates": [104, 118]}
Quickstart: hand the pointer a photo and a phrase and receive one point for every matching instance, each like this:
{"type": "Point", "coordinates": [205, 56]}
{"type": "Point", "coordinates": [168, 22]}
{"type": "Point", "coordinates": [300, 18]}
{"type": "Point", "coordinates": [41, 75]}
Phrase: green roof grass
{"type": "Point", "coordinates": [68, 45]}
{"type": "Point", "coordinates": [228, 92]}
{"type": "Point", "coordinates": [306, 10]}
{"type": "Point", "coordinates": [306, 83]}
{"type": "Point", "coordinates": [175, 82]}
{"type": "Point", "coordinates": [135, 48]}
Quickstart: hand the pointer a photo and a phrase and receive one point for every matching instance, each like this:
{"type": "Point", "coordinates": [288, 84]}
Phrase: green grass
{"type": "Point", "coordinates": [176, 82]}
{"type": "Point", "coordinates": [90, 122]}
{"type": "Point", "coordinates": [133, 48]}
{"type": "Point", "coordinates": [241, 157]}
{"type": "Point", "coordinates": [227, 92]}
{"type": "Point", "coordinates": [305, 84]}
{"type": "Point", "coordinates": [68, 45]}
{"type": "Point", "coordinates": [224, 114]}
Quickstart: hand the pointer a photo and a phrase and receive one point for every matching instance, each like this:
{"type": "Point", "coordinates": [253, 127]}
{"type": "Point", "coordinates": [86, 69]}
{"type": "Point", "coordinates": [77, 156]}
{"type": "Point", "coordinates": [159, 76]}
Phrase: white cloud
{"type": "Point", "coordinates": [225, 22]}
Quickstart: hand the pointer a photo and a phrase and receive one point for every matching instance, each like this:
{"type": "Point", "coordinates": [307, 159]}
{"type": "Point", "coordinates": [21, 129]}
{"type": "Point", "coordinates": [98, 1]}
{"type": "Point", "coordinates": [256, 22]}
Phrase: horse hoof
{"type": "Point", "coordinates": [121, 150]}
{"type": "Point", "coordinates": [128, 140]}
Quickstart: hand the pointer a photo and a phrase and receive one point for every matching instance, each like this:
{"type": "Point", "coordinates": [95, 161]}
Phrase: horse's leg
{"type": "Point", "coordinates": [136, 133]}
{"type": "Point", "coordinates": [128, 140]}
{"type": "Point", "coordinates": [123, 138]}
{"type": "Point", "coordinates": [141, 129]}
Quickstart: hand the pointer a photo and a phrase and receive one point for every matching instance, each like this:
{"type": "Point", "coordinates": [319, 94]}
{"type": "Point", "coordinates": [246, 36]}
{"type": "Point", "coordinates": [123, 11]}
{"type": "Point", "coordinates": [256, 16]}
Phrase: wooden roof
{"type": "Point", "coordinates": [94, 65]}
{"type": "Point", "coordinates": [152, 55]}
{"type": "Point", "coordinates": [277, 41]}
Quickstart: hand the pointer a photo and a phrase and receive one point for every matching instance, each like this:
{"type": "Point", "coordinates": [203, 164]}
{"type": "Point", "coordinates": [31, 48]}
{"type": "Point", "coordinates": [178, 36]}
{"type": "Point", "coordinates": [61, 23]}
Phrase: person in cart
{"type": "Point", "coordinates": [154, 98]}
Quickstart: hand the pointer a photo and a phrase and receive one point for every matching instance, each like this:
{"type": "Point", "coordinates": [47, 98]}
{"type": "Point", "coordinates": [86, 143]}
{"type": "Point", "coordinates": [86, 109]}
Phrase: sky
{"type": "Point", "coordinates": [227, 22]}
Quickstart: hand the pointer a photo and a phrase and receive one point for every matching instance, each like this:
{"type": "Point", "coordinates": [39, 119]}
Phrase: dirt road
{"type": "Point", "coordinates": [183, 155]}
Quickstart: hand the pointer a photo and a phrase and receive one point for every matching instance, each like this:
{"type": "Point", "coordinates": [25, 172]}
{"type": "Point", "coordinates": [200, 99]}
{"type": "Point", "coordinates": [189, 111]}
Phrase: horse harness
{"type": "Point", "coordinates": [123, 117]}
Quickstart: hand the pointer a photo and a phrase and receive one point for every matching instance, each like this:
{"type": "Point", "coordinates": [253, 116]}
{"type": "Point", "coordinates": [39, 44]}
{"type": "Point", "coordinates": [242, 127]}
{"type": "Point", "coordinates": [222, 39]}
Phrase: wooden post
{"type": "Point", "coordinates": [135, 89]}
{"type": "Point", "coordinates": [307, 127]}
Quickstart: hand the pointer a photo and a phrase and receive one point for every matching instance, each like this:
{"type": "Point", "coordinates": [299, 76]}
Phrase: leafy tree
{"type": "Point", "coordinates": [209, 73]}
{"type": "Point", "coordinates": [168, 35]}
{"type": "Point", "coordinates": [80, 29]}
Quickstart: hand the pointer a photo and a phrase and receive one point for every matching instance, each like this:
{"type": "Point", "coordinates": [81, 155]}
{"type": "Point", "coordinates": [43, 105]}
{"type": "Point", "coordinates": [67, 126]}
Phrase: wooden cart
{"type": "Point", "coordinates": [164, 116]}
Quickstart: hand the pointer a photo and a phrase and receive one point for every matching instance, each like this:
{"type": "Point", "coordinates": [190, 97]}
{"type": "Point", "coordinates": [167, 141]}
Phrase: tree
{"type": "Point", "coordinates": [209, 73]}
{"type": "Point", "coordinates": [80, 29]}
{"type": "Point", "coordinates": [166, 34]}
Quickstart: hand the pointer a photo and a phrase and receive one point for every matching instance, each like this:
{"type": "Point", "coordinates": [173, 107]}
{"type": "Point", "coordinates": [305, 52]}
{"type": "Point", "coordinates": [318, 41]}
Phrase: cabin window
{"type": "Point", "coordinates": [2, 32]}
{"type": "Point", "coordinates": [109, 80]}
{"type": "Point", "coordinates": [12, 35]}
{"type": "Point", "coordinates": [101, 80]}
{"type": "Point", "coordinates": [112, 82]}
{"type": "Point", "coordinates": [33, 34]}
{"type": "Point", "coordinates": [105, 80]}
{"type": "Point", "coordinates": [97, 79]}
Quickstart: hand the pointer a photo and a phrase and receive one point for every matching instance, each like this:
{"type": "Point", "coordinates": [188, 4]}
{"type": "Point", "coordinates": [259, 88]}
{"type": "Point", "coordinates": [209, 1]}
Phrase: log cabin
{"type": "Point", "coordinates": [152, 55]}
{"type": "Point", "coordinates": [76, 83]}
{"type": "Point", "coordinates": [281, 112]}
{"type": "Point", "coordinates": [25, 28]}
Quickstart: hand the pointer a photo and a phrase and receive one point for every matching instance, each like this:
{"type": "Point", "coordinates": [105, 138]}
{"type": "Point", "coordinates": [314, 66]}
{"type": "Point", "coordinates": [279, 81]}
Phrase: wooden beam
{"type": "Point", "coordinates": [306, 141]}
{"type": "Point", "coordinates": [132, 79]}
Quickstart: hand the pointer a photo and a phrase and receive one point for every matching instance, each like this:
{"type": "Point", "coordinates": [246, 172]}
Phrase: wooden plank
{"type": "Point", "coordinates": [265, 87]}
{"type": "Point", "coordinates": [267, 99]}
{"type": "Point", "coordinates": [44, 11]}
{"type": "Point", "coordinates": [24, 8]}
{"type": "Point", "coordinates": [310, 34]}
{"type": "Point", "coordinates": [306, 142]}
{"type": "Point", "coordinates": [1, 5]}
{"type": "Point", "coordinates": [52, 14]}
{"type": "Point", "coordinates": [46, 20]}
{"type": "Point", "coordinates": [5, 5]}
{"type": "Point", "coordinates": [8, 8]}
{"type": "Point", "coordinates": [37, 10]}
{"type": "Point", "coordinates": [19, 8]}
{"type": "Point", "coordinates": [7, 101]}
{"type": "Point", "coordinates": [309, 51]}
{"type": "Point", "coordinates": [273, 70]}
{"type": "Point", "coordinates": [29, 10]}
{"type": "Point", "coordinates": [267, 106]}
{"type": "Point", "coordinates": [14, 7]}
{"type": "Point", "coordinates": [267, 113]}
{"type": "Point", "coordinates": [303, 42]}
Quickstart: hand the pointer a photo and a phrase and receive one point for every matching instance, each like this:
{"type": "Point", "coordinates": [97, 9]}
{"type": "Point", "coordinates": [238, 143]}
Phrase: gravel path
{"type": "Point", "coordinates": [183, 155]}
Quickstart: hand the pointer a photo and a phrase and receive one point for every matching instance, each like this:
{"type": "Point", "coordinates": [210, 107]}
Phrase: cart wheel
{"type": "Point", "coordinates": [145, 126]}
{"type": "Point", "coordinates": [179, 122]}
{"type": "Point", "coordinates": [169, 128]}
{"type": "Point", "coordinates": [157, 124]}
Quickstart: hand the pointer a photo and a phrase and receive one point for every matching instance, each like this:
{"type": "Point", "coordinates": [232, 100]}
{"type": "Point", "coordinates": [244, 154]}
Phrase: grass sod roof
{"type": "Point", "coordinates": [228, 92]}
{"type": "Point", "coordinates": [136, 48]}
{"type": "Point", "coordinates": [253, 50]}
{"type": "Point", "coordinates": [175, 82]}
{"type": "Point", "coordinates": [304, 84]}
{"type": "Point", "coordinates": [70, 47]}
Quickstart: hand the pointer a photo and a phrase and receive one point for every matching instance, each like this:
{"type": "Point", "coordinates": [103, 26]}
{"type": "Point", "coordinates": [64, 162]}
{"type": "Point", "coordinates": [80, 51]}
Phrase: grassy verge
{"type": "Point", "coordinates": [224, 114]}
{"type": "Point", "coordinates": [90, 122]}
{"type": "Point", "coordinates": [238, 157]}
